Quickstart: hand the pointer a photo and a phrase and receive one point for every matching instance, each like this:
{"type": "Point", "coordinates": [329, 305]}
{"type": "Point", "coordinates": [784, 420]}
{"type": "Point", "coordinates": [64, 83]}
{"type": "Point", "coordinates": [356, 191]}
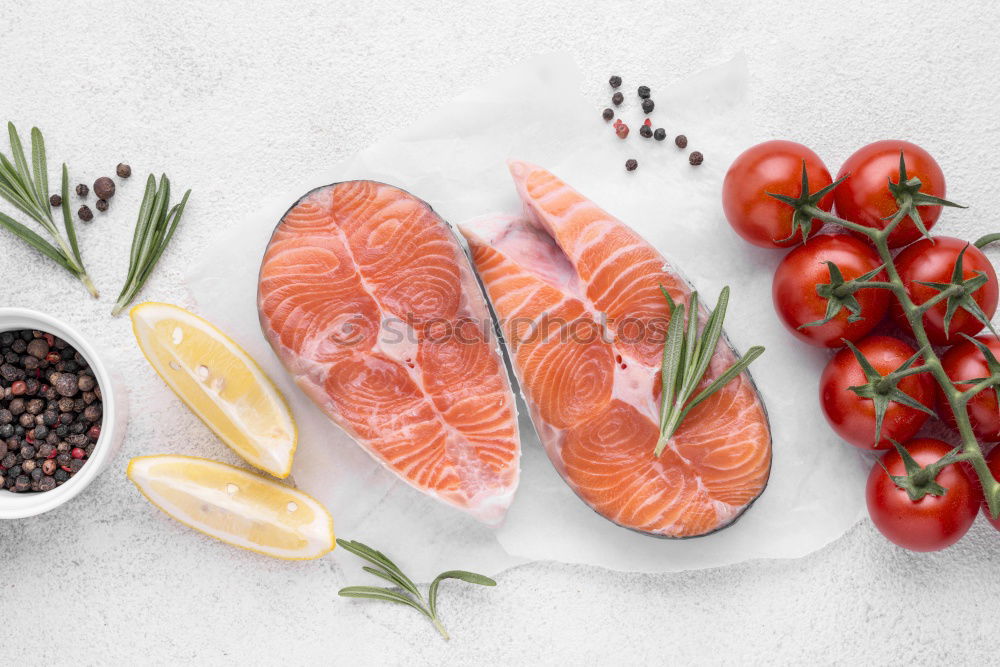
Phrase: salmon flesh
{"type": "Point", "coordinates": [368, 299]}
{"type": "Point", "coordinates": [578, 296]}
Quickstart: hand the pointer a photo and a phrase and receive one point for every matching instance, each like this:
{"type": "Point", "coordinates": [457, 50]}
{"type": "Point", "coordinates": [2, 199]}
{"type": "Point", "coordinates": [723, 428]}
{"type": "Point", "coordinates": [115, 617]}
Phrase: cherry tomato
{"type": "Point", "coordinates": [934, 261]}
{"type": "Point", "coordinates": [804, 268]}
{"type": "Point", "coordinates": [933, 522]}
{"type": "Point", "coordinates": [966, 362]}
{"type": "Point", "coordinates": [864, 196]}
{"type": "Point", "coordinates": [993, 462]}
{"type": "Point", "coordinates": [853, 417]}
{"type": "Point", "coordinates": [775, 167]}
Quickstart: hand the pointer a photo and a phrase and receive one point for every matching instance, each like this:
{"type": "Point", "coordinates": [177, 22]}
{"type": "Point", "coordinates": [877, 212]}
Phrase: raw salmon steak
{"type": "Point", "coordinates": [369, 300]}
{"type": "Point", "coordinates": [578, 297]}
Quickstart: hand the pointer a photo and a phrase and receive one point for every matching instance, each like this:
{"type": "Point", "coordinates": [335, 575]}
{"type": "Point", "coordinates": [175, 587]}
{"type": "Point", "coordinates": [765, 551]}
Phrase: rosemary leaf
{"type": "Point", "coordinates": [671, 361]}
{"type": "Point", "coordinates": [691, 341]}
{"type": "Point", "coordinates": [710, 336]}
{"type": "Point", "coordinates": [469, 577]}
{"type": "Point", "coordinates": [40, 167]}
{"type": "Point", "coordinates": [17, 150]}
{"type": "Point", "coordinates": [141, 222]}
{"type": "Point", "coordinates": [26, 188]}
{"type": "Point", "coordinates": [173, 219]}
{"type": "Point", "coordinates": [154, 228]}
{"type": "Point", "coordinates": [387, 570]}
{"type": "Point", "coordinates": [68, 216]}
{"type": "Point", "coordinates": [378, 558]}
{"type": "Point", "coordinates": [19, 194]}
{"type": "Point", "coordinates": [8, 192]}
{"type": "Point", "coordinates": [35, 241]}
{"type": "Point", "coordinates": [376, 593]}
{"type": "Point", "coordinates": [726, 377]}
{"type": "Point", "coordinates": [687, 356]}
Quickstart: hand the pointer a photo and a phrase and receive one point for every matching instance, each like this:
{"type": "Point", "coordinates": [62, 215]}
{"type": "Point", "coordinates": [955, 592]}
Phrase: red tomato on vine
{"type": "Point", "coordinates": [936, 520]}
{"type": "Point", "coordinates": [854, 417]}
{"type": "Point", "coordinates": [965, 362]}
{"type": "Point", "coordinates": [773, 167]}
{"type": "Point", "coordinates": [935, 261]}
{"type": "Point", "coordinates": [864, 197]}
{"type": "Point", "coordinates": [805, 273]}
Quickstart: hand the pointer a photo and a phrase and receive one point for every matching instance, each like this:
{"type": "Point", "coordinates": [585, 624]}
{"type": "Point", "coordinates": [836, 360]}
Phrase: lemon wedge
{"type": "Point", "coordinates": [239, 507]}
{"type": "Point", "coordinates": [220, 383]}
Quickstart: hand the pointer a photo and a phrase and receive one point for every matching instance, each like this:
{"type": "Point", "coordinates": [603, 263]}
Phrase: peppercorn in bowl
{"type": "Point", "coordinates": [62, 413]}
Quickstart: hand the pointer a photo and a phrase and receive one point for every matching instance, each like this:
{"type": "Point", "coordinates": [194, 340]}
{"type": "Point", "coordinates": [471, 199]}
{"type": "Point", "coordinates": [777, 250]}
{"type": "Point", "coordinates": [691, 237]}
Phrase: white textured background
{"type": "Point", "coordinates": [232, 99]}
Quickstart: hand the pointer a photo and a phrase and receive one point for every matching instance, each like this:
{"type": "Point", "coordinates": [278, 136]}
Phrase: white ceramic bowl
{"type": "Point", "coordinates": [115, 402]}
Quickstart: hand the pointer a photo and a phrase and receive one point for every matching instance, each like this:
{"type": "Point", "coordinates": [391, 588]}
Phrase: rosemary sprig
{"type": "Point", "coordinates": [154, 228]}
{"type": "Point", "coordinates": [403, 590]}
{"type": "Point", "coordinates": [686, 357]}
{"type": "Point", "coordinates": [27, 188]}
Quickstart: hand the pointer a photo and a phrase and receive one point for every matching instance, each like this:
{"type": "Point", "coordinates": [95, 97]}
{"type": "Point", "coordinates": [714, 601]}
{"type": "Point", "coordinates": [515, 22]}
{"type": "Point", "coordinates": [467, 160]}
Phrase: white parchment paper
{"type": "Point", "coordinates": [455, 160]}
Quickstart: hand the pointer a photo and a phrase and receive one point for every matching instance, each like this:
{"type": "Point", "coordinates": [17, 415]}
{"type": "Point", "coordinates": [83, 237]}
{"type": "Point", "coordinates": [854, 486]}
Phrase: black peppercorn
{"type": "Point", "coordinates": [644, 92]}
{"type": "Point", "coordinates": [85, 213]}
{"type": "Point", "coordinates": [615, 81]}
{"type": "Point", "coordinates": [681, 141]}
{"type": "Point", "coordinates": [22, 484]}
{"type": "Point", "coordinates": [646, 131]}
{"type": "Point", "coordinates": [104, 188]}
{"type": "Point", "coordinates": [123, 170]}
{"type": "Point", "coordinates": [55, 201]}
{"type": "Point", "coordinates": [61, 476]}
{"type": "Point", "coordinates": [617, 99]}
{"type": "Point", "coordinates": [647, 105]}
{"type": "Point", "coordinates": [38, 348]}
{"type": "Point", "coordinates": [631, 165]}
{"type": "Point", "coordinates": [607, 114]}
{"type": "Point", "coordinates": [102, 205]}
{"type": "Point", "coordinates": [82, 190]}
{"type": "Point", "coordinates": [660, 134]}
{"type": "Point", "coordinates": [47, 483]}
{"type": "Point", "coordinates": [696, 158]}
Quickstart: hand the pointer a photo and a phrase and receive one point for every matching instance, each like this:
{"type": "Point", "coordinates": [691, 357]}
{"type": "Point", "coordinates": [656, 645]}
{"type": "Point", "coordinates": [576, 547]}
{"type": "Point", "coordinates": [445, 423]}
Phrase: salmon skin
{"type": "Point", "coordinates": [369, 300]}
{"type": "Point", "coordinates": [578, 296]}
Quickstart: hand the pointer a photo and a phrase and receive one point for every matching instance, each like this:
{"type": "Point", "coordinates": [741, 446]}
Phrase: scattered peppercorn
{"type": "Point", "coordinates": [104, 188]}
{"type": "Point", "coordinates": [621, 129]}
{"type": "Point", "coordinates": [50, 411]}
{"type": "Point", "coordinates": [615, 81]}
{"type": "Point", "coordinates": [82, 190]}
{"type": "Point", "coordinates": [681, 141]}
{"type": "Point", "coordinates": [644, 92]}
{"type": "Point", "coordinates": [647, 105]}
{"type": "Point", "coordinates": [55, 201]}
{"type": "Point", "coordinates": [645, 131]}
{"type": "Point", "coordinates": [617, 98]}
{"type": "Point", "coordinates": [696, 158]}
{"type": "Point", "coordinates": [85, 213]}
{"type": "Point", "coordinates": [123, 170]}
{"type": "Point", "coordinates": [660, 134]}
{"type": "Point", "coordinates": [102, 205]}
{"type": "Point", "coordinates": [631, 165]}
{"type": "Point", "coordinates": [608, 114]}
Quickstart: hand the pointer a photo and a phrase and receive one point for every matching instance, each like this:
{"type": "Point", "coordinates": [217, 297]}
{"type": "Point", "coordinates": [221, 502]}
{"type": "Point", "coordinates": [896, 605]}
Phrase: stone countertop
{"type": "Point", "coordinates": [232, 99]}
